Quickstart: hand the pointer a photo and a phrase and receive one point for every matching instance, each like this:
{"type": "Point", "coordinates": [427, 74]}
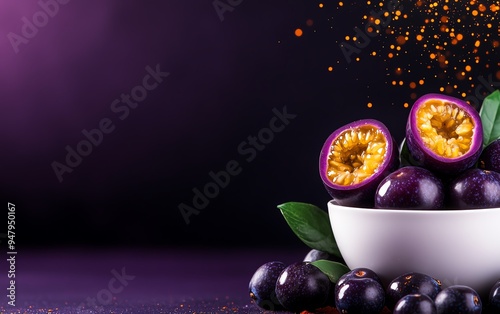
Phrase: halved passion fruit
{"type": "Point", "coordinates": [354, 160]}
{"type": "Point", "coordinates": [444, 134]}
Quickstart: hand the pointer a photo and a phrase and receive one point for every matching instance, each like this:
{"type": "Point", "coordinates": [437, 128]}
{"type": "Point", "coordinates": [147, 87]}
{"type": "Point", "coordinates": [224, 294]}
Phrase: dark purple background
{"type": "Point", "coordinates": [119, 207]}
{"type": "Point", "coordinates": [225, 79]}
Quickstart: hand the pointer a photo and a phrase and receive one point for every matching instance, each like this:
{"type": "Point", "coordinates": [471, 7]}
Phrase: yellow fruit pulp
{"type": "Point", "coordinates": [444, 128]}
{"type": "Point", "coordinates": [356, 155]}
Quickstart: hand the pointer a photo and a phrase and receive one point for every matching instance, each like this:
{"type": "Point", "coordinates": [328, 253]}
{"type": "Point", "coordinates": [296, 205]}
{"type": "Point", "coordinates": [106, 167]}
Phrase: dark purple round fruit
{"type": "Point", "coordinates": [359, 295]}
{"type": "Point", "coordinates": [490, 157]}
{"type": "Point", "coordinates": [359, 273]}
{"type": "Point", "coordinates": [458, 299]}
{"type": "Point", "coordinates": [263, 283]}
{"type": "Point", "coordinates": [415, 304]}
{"type": "Point", "coordinates": [475, 188]}
{"type": "Point", "coordinates": [411, 283]}
{"type": "Point", "coordinates": [302, 286]}
{"type": "Point", "coordinates": [354, 159]}
{"type": "Point", "coordinates": [494, 297]}
{"type": "Point", "coordinates": [316, 255]}
{"type": "Point", "coordinates": [410, 188]}
{"type": "Point", "coordinates": [444, 134]}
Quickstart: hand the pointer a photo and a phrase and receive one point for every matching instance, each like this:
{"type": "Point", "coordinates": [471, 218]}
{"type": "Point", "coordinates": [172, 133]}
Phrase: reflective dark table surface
{"type": "Point", "coordinates": [87, 281]}
{"type": "Point", "coordinates": [136, 280]}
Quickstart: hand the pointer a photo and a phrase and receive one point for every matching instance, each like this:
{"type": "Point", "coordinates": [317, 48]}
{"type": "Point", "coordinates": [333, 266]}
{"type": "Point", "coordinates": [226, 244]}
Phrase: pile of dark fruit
{"type": "Point", "coordinates": [305, 287]}
{"type": "Point", "coordinates": [450, 149]}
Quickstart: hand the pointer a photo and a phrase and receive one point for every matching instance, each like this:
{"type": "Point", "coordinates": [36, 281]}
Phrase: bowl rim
{"type": "Point", "coordinates": [442, 211]}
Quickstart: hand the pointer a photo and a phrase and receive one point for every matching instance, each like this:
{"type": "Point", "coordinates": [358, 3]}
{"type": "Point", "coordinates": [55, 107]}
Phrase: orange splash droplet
{"type": "Point", "coordinates": [401, 40]}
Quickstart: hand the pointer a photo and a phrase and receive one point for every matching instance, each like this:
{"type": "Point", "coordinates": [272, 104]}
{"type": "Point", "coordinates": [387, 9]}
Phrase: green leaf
{"type": "Point", "coordinates": [333, 270]}
{"type": "Point", "coordinates": [312, 225]}
{"type": "Point", "coordinates": [490, 117]}
{"type": "Point", "coordinates": [405, 158]}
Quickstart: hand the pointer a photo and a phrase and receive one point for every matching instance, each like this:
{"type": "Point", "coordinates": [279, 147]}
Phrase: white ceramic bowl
{"type": "Point", "coordinates": [454, 246]}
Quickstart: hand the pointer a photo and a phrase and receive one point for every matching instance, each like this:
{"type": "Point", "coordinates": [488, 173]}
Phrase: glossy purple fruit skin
{"type": "Point", "coordinates": [360, 272]}
{"type": "Point", "coordinates": [359, 295]}
{"type": "Point", "coordinates": [425, 157]}
{"type": "Point", "coordinates": [490, 157]}
{"type": "Point", "coordinates": [316, 255]}
{"type": "Point", "coordinates": [302, 286]}
{"type": "Point", "coordinates": [410, 187]}
{"type": "Point", "coordinates": [475, 188]}
{"type": "Point", "coordinates": [263, 283]}
{"type": "Point", "coordinates": [415, 304]}
{"type": "Point", "coordinates": [494, 297]}
{"type": "Point", "coordinates": [360, 195]}
{"type": "Point", "coordinates": [458, 299]}
{"type": "Point", "coordinates": [411, 283]}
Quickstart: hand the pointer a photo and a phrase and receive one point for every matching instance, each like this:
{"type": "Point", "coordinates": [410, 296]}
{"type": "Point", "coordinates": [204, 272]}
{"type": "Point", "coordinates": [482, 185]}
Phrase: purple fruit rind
{"type": "Point", "coordinates": [425, 157]}
{"type": "Point", "coordinates": [363, 193]}
{"type": "Point", "coordinates": [475, 188]}
{"type": "Point", "coordinates": [490, 157]}
{"type": "Point", "coordinates": [410, 187]}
